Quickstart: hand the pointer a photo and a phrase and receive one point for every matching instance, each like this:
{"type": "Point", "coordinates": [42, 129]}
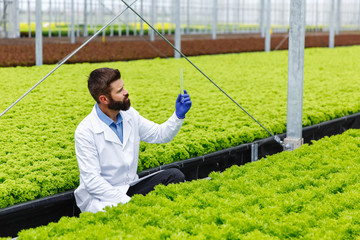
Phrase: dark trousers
{"type": "Point", "coordinates": [172, 175]}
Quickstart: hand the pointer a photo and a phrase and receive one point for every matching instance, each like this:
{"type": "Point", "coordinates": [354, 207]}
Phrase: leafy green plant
{"type": "Point", "coordinates": [309, 193]}
{"type": "Point", "coordinates": [37, 156]}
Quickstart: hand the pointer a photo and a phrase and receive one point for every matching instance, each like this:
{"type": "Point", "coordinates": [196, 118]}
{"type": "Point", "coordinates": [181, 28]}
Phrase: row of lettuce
{"type": "Point", "coordinates": [37, 156]}
{"type": "Point", "coordinates": [63, 29]}
{"type": "Point", "coordinates": [309, 193]}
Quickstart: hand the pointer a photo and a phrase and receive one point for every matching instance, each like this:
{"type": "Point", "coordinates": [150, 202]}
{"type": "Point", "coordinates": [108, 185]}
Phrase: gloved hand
{"type": "Point", "coordinates": [182, 105]}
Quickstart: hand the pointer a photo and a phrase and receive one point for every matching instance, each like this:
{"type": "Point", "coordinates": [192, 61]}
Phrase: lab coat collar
{"type": "Point", "coordinates": [109, 135]}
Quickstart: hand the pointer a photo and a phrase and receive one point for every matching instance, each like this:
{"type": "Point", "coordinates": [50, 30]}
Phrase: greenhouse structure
{"type": "Point", "coordinates": [269, 147]}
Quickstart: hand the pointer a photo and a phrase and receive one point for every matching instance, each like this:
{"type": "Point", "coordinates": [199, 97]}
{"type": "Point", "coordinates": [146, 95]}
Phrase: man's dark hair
{"type": "Point", "coordinates": [99, 81]}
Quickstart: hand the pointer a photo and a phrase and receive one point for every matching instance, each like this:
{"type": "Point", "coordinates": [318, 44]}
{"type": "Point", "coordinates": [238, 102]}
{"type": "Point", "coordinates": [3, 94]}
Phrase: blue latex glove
{"type": "Point", "coordinates": [182, 105]}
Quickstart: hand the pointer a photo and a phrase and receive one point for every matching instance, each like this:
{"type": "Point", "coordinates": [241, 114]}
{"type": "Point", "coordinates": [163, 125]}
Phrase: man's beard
{"type": "Point", "coordinates": [119, 105]}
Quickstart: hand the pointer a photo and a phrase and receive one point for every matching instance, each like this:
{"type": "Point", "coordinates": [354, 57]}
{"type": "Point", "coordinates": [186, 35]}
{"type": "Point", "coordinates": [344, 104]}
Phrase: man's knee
{"type": "Point", "coordinates": [175, 175]}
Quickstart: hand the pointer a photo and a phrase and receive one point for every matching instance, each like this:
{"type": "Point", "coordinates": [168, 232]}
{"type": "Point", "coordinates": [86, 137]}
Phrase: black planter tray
{"type": "Point", "coordinates": [52, 208]}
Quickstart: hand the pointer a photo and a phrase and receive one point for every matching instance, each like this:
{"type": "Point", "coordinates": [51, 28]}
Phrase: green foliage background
{"type": "Point", "coordinates": [37, 136]}
{"type": "Point", "coordinates": [309, 193]}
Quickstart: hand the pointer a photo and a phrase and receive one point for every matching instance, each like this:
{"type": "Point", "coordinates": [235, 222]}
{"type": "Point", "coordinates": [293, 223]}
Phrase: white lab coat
{"type": "Point", "coordinates": [106, 165]}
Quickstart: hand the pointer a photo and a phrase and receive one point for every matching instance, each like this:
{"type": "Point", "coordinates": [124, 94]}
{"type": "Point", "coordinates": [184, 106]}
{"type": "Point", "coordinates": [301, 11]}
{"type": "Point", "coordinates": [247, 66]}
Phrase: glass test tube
{"type": "Point", "coordinates": [181, 81]}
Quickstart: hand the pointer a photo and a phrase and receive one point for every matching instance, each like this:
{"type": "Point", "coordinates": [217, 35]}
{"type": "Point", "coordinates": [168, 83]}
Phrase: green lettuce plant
{"type": "Point", "coordinates": [309, 193]}
{"type": "Point", "coordinates": [37, 156]}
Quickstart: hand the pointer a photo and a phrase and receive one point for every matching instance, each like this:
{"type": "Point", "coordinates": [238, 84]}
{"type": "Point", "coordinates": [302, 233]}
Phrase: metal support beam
{"type": "Point", "coordinates": [332, 25]}
{"type": "Point", "coordinates": [254, 152]}
{"type": "Point", "coordinates": [50, 19]}
{"type": "Point", "coordinates": [127, 23]}
{"type": "Point", "coordinates": [102, 19]}
{"type": "Point", "coordinates": [91, 16]}
{"type": "Point", "coordinates": [72, 33]}
{"type": "Point", "coordinates": [268, 26]}
{"type": "Point", "coordinates": [65, 20]}
{"type": "Point", "coordinates": [17, 18]}
{"type": "Point", "coordinates": [11, 19]}
{"type": "Point", "coordinates": [28, 19]}
{"type": "Point", "coordinates": [177, 28]}
{"type": "Point", "coordinates": [78, 19]}
{"type": "Point", "coordinates": [188, 17]}
{"type": "Point", "coordinates": [152, 20]}
{"type": "Point", "coordinates": [112, 25]}
{"type": "Point", "coordinates": [141, 21]}
{"type": "Point", "coordinates": [359, 17]}
{"type": "Point", "coordinates": [262, 18]}
{"type": "Point", "coordinates": [59, 18]}
{"type": "Point", "coordinates": [38, 35]}
{"type": "Point", "coordinates": [214, 24]}
{"type": "Point", "coordinates": [86, 33]}
{"type": "Point", "coordinates": [317, 15]}
{"type": "Point", "coordinates": [338, 17]}
{"type": "Point", "coordinates": [295, 74]}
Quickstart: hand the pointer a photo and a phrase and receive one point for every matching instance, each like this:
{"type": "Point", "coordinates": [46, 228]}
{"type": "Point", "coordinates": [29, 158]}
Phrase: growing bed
{"type": "Point", "coordinates": [310, 193]}
{"type": "Point", "coordinates": [52, 208]}
{"type": "Point", "coordinates": [37, 155]}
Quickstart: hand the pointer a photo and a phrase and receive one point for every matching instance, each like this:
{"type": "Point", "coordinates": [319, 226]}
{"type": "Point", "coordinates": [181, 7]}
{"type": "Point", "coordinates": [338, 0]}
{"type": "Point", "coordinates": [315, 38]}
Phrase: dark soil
{"type": "Point", "coordinates": [21, 52]}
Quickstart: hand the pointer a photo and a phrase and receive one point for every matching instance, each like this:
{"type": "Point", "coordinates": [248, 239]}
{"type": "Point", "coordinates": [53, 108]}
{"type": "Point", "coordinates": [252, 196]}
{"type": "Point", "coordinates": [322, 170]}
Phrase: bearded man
{"type": "Point", "coordinates": [107, 144]}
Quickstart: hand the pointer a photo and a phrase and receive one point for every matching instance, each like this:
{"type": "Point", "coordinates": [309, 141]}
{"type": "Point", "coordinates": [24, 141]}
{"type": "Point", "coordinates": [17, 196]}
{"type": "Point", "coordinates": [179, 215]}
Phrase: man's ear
{"type": "Point", "coordinates": [103, 99]}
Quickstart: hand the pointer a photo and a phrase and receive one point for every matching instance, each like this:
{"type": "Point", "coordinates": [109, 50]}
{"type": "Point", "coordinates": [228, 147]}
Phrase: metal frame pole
{"type": "Point", "coordinates": [77, 18]}
{"type": "Point", "coordinates": [29, 20]}
{"type": "Point", "coordinates": [152, 20]}
{"type": "Point", "coordinates": [254, 152]}
{"type": "Point", "coordinates": [4, 18]}
{"type": "Point", "coordinates": [120, 25]}
{"type": "Point", "coordinates": [55, 14]}
{"type": "Point", "coordinates": [11, 19]}
{"type": "Point", "coordinates": [72, 34]}
{"type": "Point", "coordinates": [141, 21]}
{"type": "Point", "coordinates": [295, 74]}
{"type": "Point", "coordinates": [112, 25]}
{"type": "Point", "coordinates": [59, 18]}
{"type": "Point", "coordinates": [38, 35]}
{"type": "Point", "coordinates": [91, 16]}
{"type": "Point", "coordinates": [214, 24]}
{"type": "Point", "coordinates": [135, 26]}
{"type": "Point", "coordinates": [86, 33]}
{"type": "Point", "coordinates": [332, 25]}
{"type": "Point", "coordinates": [317, 15]}
{"type": "Point", "coordinates": [127, 16]}
{"type": "Point", "coordinates": [262, 18]}
{"type": "Point", "coordinates": [268, 27]}
{"type": "Point", "coordinates": [102, 19]}
{"type": "Point", "coordinates": [338, 17]}
{"type": "Point", "coordinates": [188, 17]}
{"type": "Point", "coordinates": [65, 20]}
{"type": "Point", "coordinates": [50, 13]}
{"type": "Point", "coordinates": [171, 21]}
{"type": "Point", "coordinates": [359, 17]}
{"type": "Point", "coordinates": [177, 28]}
{"type": "Point", "coordinates": [162, 19]}
{"type": "Point", "coordinates": [17, 19]}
